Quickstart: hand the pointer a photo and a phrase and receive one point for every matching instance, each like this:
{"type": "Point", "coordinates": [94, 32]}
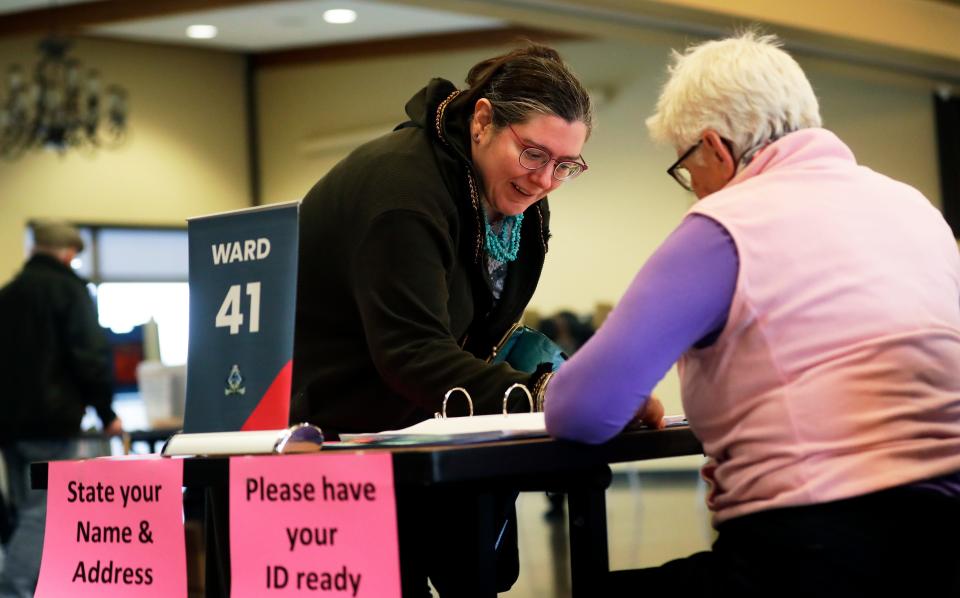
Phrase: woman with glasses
{"type": "Point", "coordinates": [814, 308]}
{"type": "Point", "coordinates": [421, 249]}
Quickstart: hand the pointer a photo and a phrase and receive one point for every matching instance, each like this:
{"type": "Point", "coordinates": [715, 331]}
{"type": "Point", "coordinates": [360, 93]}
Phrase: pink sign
{"type": "Point", "coordinates": [114, 528]}
{"type": "Point", "coordinates": [323, 524]}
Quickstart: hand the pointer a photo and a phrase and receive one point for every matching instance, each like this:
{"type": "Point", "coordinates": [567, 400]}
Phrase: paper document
{"type": "Point", "coordinates": [670, 421]}
{"type": "Point", "coordinates": [454, 430]}
{"type": "Point", "coordinates": [515, 422]}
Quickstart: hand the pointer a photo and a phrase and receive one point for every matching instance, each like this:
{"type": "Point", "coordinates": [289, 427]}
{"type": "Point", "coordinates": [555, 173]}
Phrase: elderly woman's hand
{"type": "Point", "coordinates": [650, 415]}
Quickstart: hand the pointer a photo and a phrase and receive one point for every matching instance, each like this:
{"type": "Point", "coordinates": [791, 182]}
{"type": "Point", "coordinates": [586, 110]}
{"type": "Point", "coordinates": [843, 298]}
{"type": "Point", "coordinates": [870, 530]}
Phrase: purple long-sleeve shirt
{"type": "Point", "coordinates": [681, 297]}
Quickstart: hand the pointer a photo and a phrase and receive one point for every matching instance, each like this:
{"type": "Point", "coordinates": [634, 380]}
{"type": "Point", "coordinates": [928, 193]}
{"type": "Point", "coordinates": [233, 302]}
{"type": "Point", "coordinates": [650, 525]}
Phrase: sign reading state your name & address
{"type": "Point", "coordinates": [309, 525]}
{"type": "Point", "coordinates": [114, 528]}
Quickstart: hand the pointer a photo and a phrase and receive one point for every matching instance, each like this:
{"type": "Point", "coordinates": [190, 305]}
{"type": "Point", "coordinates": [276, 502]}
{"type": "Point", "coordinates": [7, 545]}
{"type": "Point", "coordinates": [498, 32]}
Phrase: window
{"type": "Point", "coordinates": [139, 274]}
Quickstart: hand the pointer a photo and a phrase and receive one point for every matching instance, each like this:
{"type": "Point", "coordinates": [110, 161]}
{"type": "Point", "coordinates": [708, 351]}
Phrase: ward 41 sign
{"type": "Point", "coordinates": [243, 286]}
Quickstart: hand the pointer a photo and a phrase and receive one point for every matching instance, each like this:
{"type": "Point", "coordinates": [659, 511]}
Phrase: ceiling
{"type": "Point", "coordinates": [282, 25]}
{"type": "Point", "coordinates": [266, 26]}
{"type": "Point", "coordinates": [909, 36]}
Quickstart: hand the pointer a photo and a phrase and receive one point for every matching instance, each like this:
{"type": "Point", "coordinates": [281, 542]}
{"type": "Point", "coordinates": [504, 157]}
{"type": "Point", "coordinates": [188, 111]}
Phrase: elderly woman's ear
{"type": "Point", "coordinates": [718, 154]}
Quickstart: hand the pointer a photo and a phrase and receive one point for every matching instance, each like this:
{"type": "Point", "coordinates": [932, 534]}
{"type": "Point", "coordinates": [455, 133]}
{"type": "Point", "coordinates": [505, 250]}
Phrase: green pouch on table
{"type": "Point", "coordinates": [525, 348]}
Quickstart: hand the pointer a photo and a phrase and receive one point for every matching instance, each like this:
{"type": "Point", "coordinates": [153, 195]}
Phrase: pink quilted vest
{"type": "Point", "coordinates": [838, 371]}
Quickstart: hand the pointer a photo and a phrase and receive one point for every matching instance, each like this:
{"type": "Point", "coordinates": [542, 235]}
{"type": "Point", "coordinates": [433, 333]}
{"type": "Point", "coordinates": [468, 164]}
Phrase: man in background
{"type": "Point", "coordinates": [54, 362]}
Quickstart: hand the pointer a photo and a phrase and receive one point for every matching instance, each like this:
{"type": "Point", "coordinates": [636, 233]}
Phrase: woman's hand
{"type": "Point", "coordinates": [650, 415]}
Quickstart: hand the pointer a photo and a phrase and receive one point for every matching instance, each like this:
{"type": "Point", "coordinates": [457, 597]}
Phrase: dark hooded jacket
{"type": "Point", "coordinates": [54, 357]}
{"type": "Point", "coordinates": [394, 303]}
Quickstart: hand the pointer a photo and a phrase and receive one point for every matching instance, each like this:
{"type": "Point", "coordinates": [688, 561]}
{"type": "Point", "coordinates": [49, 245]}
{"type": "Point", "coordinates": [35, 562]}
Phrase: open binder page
{"type": "Point", "coordinates": [514, 422]}
{"type": "Point", "coordinates": [453, 430]}
{"type": "Point", "coordinates": [527, 424]}
{"type": "Point", "coordinates": [464, 430]}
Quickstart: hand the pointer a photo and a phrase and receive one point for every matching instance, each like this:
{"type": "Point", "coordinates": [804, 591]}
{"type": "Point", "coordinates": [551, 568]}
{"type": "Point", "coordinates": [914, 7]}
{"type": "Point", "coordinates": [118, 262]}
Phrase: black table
{"type": "Point", "coordinates": [153, 438]}
{"type": "Point", "coordinates": [472, 475]}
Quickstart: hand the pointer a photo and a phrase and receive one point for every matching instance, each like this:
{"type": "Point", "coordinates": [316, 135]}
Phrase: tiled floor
{"type": "Point", "coordinates": [652, 517]}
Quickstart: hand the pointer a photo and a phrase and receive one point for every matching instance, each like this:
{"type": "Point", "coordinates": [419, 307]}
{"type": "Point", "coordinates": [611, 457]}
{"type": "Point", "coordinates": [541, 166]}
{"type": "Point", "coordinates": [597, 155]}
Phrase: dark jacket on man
{"type": "Point", "coordinates": [394, 303]}
{"type": "Point", "coordinates": [54, 358]}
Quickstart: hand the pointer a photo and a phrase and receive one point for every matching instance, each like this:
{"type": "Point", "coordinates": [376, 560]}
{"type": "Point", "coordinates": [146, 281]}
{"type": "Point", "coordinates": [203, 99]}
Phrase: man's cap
{"type": "Point", "coordinates": [56, 234]}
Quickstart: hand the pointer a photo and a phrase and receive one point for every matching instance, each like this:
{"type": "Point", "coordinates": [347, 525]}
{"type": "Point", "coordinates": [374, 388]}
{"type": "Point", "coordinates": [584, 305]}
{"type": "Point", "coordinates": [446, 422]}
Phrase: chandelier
{"type": "Point", "coordinates": [62, 108]}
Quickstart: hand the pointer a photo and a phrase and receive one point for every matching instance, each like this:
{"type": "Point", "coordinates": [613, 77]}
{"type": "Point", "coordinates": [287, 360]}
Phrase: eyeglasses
{"type": "Point", "coordinates": [682, 175]}
{"type": "Point", "coordinates": [679, 172]}
{"type": "Point", "coordinates": [535, 158]}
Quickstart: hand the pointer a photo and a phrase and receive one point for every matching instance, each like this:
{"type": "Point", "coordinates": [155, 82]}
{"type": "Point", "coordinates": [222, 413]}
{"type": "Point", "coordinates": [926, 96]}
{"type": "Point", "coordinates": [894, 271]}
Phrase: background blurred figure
{"type": "Point", "coordinates": [54, 361]}
{"type": "Point", "coordinates": [814, 307]}
{"type": "Point", "coordinates": [567, 330]}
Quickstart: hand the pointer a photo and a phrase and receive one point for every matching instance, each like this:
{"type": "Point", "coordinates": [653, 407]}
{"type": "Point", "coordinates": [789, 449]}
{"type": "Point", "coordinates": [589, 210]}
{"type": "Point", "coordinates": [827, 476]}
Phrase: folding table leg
{"type": "Point", "coordinates": [217, 532]}
{"type": "Point", "coordinates": [450, 534]}
{"type": "Point", "coordinates": [589, 560]}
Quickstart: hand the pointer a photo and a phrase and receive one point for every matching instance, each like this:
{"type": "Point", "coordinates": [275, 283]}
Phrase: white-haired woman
{"type": "Point", "coordinates": [814, 307]}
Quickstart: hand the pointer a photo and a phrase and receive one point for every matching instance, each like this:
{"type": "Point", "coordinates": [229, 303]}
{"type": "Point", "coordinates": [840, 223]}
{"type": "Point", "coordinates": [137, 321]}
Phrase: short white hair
{"type": "Point", "coordinates": [745, 87]}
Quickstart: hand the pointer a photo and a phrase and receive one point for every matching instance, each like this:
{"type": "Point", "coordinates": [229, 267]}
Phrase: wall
{"type": "Point", "coordinates": [607, 222]}
{"type": "Point", "coordinates": [186, 154]}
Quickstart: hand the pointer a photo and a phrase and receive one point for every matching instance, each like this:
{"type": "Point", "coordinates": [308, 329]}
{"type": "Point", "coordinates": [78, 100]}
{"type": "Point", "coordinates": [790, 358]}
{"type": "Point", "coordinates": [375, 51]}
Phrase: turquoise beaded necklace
{"type": "Point", "coordinates": [505, 245]}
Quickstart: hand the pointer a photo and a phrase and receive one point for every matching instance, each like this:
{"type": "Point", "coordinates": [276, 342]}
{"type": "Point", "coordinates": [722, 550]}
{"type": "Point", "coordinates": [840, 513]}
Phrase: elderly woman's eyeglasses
{"type": "Point", "coordinates": [535, 158]}
{"type": "Point", "coordinates": [679, 172]}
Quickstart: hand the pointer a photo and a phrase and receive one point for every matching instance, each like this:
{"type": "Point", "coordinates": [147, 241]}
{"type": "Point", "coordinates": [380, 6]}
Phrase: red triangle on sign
{"type": "Point", "coordinates": [273, 410]}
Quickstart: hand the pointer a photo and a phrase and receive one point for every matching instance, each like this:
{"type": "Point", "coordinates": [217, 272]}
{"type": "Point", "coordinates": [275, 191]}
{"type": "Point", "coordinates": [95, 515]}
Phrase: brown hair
{"type": "Point", "coordinates": [529, 80]}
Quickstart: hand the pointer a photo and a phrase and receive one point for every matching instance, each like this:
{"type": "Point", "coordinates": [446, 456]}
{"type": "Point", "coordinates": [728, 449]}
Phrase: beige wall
{"type": "Point", "coordinates": [186, 154]}
{"type": "Point", "coordinates": [607, 222]}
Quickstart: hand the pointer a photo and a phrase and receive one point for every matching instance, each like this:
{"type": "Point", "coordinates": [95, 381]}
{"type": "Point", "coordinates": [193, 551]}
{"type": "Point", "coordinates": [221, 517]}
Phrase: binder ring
{"type": "Point", "coordinates": [526, 390]}
{"type": "Point", "coordinates": [442, 414]}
